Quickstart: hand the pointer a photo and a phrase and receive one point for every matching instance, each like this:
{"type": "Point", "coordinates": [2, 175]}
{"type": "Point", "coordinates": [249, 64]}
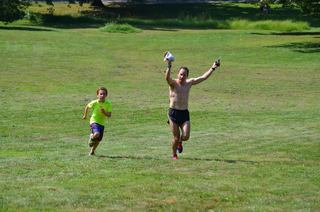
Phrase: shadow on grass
{"type": "Point", "coordinates": [217, 11]}
{"type": "Point", "coordinates": [24, 28]}
{"type": "Point", "coordinates": [222, 160]}
{"type": "Point", "coordinates": [297, 33]}
{"type": "Point", "coordinates": [306, 47]}
{"type": "Point", "coordinates": [288, 33]}
{"type": "Point", "coordinates": [153, 158]}
{"type": "Point", "coordinates": [68, 22]}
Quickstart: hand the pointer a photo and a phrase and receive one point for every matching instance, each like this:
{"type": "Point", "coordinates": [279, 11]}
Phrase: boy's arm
{"type": "Point", "coordinates": [206, 75]}
{"type": "Point", "coordinates": [170, 81]}
{"type": "Point", "coordinates": [108, 114]}
{"type": "Point", "coordinates": [85, 112]}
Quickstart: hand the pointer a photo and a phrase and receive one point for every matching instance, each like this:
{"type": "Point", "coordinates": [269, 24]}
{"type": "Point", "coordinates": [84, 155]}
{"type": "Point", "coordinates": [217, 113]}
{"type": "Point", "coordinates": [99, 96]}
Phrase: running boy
{"type": "Point", "coordinates": [101, 109]}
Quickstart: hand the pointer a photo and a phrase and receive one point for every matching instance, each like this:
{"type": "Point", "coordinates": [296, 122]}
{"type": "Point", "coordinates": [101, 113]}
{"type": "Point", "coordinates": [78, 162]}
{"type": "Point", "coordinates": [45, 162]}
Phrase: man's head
{"type": "Point", "coordinates": [102, 93]}
{"type": "Point", "coordinates": [183, 73]}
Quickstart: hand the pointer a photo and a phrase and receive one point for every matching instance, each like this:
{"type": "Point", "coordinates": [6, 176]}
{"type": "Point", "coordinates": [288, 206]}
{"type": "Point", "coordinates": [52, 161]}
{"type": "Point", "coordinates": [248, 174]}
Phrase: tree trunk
{"type": "Point", "coordinates": [97, 3]}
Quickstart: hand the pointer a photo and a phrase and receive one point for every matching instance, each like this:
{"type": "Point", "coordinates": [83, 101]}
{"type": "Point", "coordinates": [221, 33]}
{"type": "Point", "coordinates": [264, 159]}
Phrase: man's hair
{"type": "Point", "coordinates": [185, 68]}
{"type": "Point", "coordinates": [103, 89]}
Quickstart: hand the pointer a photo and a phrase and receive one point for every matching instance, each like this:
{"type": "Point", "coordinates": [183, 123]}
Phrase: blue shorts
{"type": "Point", "coordinates": [97, 128]}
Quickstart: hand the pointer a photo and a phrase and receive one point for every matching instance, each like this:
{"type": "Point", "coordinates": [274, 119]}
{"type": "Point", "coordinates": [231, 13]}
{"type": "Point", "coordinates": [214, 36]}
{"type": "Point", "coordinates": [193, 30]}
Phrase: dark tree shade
{"type": "Point", "coordinates": [309, 6]}
{"type": "Point", "coordinates": [11, 10]}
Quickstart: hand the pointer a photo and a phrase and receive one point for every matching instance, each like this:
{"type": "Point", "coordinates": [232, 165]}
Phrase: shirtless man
{"type": "Point", "coordinates": [179, 95]}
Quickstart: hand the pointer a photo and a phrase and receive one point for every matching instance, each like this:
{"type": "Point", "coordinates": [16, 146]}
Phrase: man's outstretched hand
{"type": "Point", "coordinates": [216, 64]}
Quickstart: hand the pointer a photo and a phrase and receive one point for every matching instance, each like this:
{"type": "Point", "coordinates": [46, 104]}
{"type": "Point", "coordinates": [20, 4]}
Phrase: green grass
{"type": "Point", "coordinates": [255, 123]}
{"type": "Point", "coordinates": [284, 26]}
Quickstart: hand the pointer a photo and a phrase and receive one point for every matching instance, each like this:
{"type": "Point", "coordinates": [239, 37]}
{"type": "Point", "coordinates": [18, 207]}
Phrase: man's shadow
{"type": "Point", "coordinates": [184, 158]}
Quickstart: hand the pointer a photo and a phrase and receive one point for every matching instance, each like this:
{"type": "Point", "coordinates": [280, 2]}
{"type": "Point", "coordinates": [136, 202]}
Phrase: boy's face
{"type": "Point", "coordinates": [102, 95]}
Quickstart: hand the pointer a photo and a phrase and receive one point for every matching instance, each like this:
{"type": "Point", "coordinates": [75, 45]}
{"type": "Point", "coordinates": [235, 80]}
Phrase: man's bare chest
{"type": "Point", "coordinates": [181, 89]}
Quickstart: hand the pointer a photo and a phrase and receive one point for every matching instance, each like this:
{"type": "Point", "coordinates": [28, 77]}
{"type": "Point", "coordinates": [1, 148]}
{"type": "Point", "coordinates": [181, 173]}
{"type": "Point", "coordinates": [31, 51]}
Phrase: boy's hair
{"type": "Point", "coordinates": [103, 89]}
{"type": "Point", "coordinates": [185, 68]}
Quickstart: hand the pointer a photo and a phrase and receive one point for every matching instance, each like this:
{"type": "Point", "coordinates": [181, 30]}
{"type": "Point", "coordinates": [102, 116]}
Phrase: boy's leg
{"type": "Point", "coordinates": [95, 140]}
{"type": "Point", "coordinates": [90, 142]}
{"type": "Point", "coordinates": [93, 148]}
{"type": "Point", "coordinates": [94, 137]}
{"type": "Point", "coordinates": [97, 135]}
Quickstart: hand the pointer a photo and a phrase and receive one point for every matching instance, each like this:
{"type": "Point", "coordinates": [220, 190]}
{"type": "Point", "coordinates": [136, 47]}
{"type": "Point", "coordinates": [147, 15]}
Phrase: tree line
{"type": "Point", "coordinates": [11, 10]}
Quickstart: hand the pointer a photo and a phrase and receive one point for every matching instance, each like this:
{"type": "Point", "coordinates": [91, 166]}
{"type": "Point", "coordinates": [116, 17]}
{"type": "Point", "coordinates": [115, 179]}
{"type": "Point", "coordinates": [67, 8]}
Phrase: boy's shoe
{"type": "Point", "coordinates": [175, 157]}
{"type": "Point", "coordinates": [91, 153]}
{"type": "Point", "coordinates": [180, 147]}
{"type": "Point", "coordinates": [91, 143]}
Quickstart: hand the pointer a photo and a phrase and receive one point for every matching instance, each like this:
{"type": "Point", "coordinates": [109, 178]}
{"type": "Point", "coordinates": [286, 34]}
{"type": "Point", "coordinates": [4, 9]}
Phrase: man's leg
{"type": "Point", "coordinates": [185, 135]}
{"type": "Point", "coordinates": [176, 137]}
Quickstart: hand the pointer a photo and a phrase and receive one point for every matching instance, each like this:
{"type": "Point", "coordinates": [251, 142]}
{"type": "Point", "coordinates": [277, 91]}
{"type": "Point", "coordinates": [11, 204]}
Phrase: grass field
{"type": "Point", "coordinates": [255, 136]}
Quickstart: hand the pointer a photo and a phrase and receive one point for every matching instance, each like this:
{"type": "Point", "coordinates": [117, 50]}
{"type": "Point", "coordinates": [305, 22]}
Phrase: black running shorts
{"type": "Point", "coordinates": [178, 116]}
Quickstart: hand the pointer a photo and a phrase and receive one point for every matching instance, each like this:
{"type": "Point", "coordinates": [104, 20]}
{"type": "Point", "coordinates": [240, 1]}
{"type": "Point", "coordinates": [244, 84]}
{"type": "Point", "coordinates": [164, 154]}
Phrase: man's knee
{"type": "Point", "coordinates": [176, 139]}
{"type": "Point", "coordinates": [185, 137]}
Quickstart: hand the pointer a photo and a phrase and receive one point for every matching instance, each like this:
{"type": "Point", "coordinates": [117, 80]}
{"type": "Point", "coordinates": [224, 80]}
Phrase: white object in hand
{"type": "Point", "coordinates": [168, 56]}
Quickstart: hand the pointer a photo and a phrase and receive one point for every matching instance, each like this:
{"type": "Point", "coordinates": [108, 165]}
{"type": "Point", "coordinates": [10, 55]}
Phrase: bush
{"type": "Point", "coordinates": [120, 28]}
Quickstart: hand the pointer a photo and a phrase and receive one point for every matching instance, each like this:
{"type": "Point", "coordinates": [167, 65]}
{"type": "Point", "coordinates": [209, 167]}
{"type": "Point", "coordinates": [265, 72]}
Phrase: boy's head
{"type": "Point", "coordinates": [102, 93]}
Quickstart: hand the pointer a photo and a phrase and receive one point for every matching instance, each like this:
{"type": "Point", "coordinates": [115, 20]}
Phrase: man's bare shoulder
{"type": "Point", "coordinates": [190, 80]}
{"type": "Point", "coordinates": [173, 83]}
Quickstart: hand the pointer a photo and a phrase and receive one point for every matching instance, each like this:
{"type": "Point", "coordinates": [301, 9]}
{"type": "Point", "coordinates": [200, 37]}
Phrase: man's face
{"type": "Point", "coordinates": [102, 95]}
{"type": "Point", "coordinates": [182, 75]}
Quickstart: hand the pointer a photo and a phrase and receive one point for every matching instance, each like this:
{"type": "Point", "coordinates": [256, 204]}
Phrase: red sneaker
{"type": "Point", "coordinates": [175, 157]}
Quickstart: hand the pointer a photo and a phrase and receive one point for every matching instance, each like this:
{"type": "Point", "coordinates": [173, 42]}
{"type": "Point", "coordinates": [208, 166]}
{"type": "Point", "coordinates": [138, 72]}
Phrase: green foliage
{"type": "Point", "coordinates": [309, 6]}
{"type": "Point", "coordinates": [11, 10]}
{"type": "Point", "coordinates": [96, 3]}
{"type": "Point", "coordinates": [285, 3]}
{"type": "Point", "coordinates": [120, 28]}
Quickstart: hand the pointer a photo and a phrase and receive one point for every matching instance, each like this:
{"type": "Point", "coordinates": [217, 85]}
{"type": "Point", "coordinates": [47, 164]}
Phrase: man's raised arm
{"type": "Point", "coordinates": [170, 81]}
{"type": "Point", "coordinates": [207, 74]}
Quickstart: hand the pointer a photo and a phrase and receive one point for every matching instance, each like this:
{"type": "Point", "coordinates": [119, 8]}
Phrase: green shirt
{"type": "Point", "coordinates": [97, 116]}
